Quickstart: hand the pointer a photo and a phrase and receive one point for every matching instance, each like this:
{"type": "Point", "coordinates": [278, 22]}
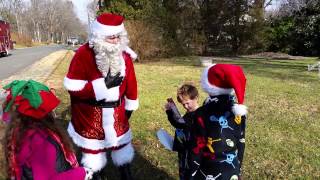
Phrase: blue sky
{"type": "Point", "coordinates": [80, 7]}
{"type": "Point", "coordinates": [274, 5]}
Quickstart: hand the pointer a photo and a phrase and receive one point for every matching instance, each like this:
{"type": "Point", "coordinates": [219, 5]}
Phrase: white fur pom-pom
{"type": "Point", "coordinates": [132, 54]}
{"type": "Point", "coordinates": [94, 161]}
{"type": "Point", "coordinates": [239, 109]}
{"type": "Point", "coordinates": [3, 95]}
{"type": "Point", "coordinates": [123, 156]}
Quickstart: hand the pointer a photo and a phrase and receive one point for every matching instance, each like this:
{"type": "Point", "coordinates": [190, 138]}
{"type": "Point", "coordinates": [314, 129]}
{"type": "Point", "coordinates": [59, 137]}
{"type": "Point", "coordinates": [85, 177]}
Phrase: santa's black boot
{"type": "Point", "coordinates": [125, 172]}
{"type": "Point", "coordinates": [97, 176]}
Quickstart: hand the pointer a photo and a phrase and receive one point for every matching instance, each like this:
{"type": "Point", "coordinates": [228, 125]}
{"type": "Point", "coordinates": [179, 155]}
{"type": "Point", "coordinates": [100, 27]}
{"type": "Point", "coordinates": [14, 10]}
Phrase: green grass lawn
{"type": "Point", "coordinates": [283, 127]}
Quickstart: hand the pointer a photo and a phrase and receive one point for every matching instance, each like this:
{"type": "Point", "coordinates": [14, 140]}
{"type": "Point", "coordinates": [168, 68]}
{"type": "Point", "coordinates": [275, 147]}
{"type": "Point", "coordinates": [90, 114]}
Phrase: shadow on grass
{"type": "Point", "coordinates": [278, 69]}
{"type": "Point", "coordinates": [275, 69]}
{"type": "Point", "coordinates": [177, 61]}
{"type": "Point", "coordinates": [141, 168]}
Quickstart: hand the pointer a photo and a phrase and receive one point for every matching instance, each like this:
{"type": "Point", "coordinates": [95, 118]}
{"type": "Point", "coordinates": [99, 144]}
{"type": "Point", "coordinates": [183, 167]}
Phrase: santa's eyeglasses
{"type": "Point", "coordinates": [113, 37]}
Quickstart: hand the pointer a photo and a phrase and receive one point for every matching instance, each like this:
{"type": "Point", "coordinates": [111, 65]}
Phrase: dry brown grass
{"type": "Point", "coordinates": [282, 135]}
{"type": "Point", "coordinates": [21, 40]}
{"type": "Point", "coordinates": [145, 40]}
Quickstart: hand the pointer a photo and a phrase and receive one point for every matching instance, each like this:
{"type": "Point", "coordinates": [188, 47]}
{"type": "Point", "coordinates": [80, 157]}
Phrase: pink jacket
{"type": "Point", "coordinates": [38, 154]}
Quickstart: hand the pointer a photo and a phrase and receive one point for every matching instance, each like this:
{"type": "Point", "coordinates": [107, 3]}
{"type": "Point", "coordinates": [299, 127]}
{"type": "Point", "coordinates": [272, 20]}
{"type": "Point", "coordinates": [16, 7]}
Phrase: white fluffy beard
{"type": "Point", "coordinates": [109, 56]}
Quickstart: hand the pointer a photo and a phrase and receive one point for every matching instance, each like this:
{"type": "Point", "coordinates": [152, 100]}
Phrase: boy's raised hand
{"type": "Point", "coordinates": [168, 106]}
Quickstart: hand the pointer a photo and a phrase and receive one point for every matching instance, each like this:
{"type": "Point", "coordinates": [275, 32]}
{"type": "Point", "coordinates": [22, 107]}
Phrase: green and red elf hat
{"type": "Point", "coordinates": [31, 98]}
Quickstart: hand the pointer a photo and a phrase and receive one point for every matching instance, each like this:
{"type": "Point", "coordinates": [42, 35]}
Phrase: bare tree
{"type": "Point", "coordinates": [287, 7]}
{"type": "Point", "coordinates": [10, 10]}
{"type": "Point", "coordinates": [52, 20]}
{"type": "Point", "coordinates": [92, 8]}
{"type": "Point", "coordinates": [16, 7]}
{"type": "Point", "coordinates": [69, 24]}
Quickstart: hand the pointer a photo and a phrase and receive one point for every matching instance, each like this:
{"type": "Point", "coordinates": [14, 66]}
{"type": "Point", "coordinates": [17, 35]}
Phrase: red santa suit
{"type": "Point", "coordinates": [99, 119]}
{"type": "Point", "coordinates": [95, 128]}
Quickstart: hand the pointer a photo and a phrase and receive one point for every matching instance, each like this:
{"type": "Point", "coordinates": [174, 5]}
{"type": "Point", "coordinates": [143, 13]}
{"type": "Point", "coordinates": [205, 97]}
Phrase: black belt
{"type": "Point", "coordinates": [103, 103]}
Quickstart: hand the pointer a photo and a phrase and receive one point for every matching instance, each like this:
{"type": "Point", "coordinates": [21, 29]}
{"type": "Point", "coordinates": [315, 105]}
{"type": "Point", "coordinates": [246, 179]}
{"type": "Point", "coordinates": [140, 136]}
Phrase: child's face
{"type": "Point", "coordinates": [189, 104]}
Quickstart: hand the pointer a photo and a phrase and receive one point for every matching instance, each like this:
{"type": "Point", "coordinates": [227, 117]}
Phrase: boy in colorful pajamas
{"type": "Point", "coordinates": [218, 131]}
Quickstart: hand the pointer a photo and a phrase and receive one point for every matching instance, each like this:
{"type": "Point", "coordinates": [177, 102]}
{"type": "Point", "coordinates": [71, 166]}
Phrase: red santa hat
{"type": "Point", "coordinates": [219, 79]}
{"type": "Point", "coordinates": [107, 24]}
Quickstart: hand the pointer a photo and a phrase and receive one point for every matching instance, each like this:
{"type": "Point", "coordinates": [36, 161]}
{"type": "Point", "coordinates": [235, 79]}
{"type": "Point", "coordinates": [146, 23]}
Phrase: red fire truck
{"type": "Point", "coordinates": [5, 38]}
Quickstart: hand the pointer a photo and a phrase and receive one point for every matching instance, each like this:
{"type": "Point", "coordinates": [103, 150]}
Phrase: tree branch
{"type": "Point", "coordinates": [268, 3]}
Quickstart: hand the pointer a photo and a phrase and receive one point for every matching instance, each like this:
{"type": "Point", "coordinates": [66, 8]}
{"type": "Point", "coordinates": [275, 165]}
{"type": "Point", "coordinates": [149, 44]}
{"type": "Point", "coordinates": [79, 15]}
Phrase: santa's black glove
{"type": "Point", "coordinates": [113, 81]}
{"type": "Point", "coordinates": [128, 114]}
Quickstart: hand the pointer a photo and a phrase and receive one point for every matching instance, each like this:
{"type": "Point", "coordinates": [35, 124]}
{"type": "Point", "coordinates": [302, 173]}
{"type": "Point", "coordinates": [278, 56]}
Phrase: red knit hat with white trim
{"type": "Point", "coordinates": [107, 24]}
{"type": "Point", "coordinates": [220, 79]}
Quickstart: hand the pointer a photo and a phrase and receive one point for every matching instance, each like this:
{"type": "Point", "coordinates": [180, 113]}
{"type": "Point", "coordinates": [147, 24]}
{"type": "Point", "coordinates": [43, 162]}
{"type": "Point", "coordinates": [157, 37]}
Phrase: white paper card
{"type": "Point", "coordinates": [165, 138]}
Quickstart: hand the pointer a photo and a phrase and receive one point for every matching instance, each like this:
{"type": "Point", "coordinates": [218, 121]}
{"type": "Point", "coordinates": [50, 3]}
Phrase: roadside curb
{"type": "Point", "coordinates": [40, 70]}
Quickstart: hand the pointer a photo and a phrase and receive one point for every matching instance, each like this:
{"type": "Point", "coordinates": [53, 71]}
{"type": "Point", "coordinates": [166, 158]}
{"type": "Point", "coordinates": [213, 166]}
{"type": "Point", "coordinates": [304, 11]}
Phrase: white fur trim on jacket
{"type": "Point", "coordinates": [105, 30]}
{"type": "Point", "coordinates": [108, 125]}
{"type": "Point", "coordinates": [94, 144]}
{"type": "Point", "coordinates": [123, 156]}
{"type": "Point", "coordinates": [132, 54]}
{"type": "Point", "coordinates": [131, 105]}
{"type": "Point", "coordinates": [112, 94]}
{"type": "Point", "coordinates": [211, 89]}
{"type": "Point", "coordinates": [74, 84]}
{"type": "Point", "coordinates": [239, 109]}
{"type": "Point", "coordinates": [3, 95]}
{"type": "Point", "coordinates": [94, 161]}
{"type": "Point", "coordinates": [102, 92]}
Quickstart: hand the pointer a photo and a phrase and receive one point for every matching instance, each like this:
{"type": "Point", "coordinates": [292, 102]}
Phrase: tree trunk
{"type": "Point", "coordinates": [18, 24]}
{"type": "Point", "coordinates": [236, 39]}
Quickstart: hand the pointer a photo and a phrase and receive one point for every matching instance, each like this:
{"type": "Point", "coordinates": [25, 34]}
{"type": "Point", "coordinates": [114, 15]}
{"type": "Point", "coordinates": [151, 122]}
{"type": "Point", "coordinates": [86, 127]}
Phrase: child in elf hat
{"type": "Point", "coordinates": [36, 147]}
{"type": "Point", "coordinates": [187, 96]}
{"type": "Point", "coordinates": [217, 140]}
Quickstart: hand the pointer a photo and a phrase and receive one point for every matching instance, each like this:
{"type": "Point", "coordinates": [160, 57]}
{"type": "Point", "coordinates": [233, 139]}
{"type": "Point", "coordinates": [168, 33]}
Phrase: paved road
{"type": "Point", "coordinates": [21, 58]}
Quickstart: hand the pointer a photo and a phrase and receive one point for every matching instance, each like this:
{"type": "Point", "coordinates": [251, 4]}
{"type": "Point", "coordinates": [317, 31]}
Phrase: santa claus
{"type": "Point", "coordinates": [102, 85]}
